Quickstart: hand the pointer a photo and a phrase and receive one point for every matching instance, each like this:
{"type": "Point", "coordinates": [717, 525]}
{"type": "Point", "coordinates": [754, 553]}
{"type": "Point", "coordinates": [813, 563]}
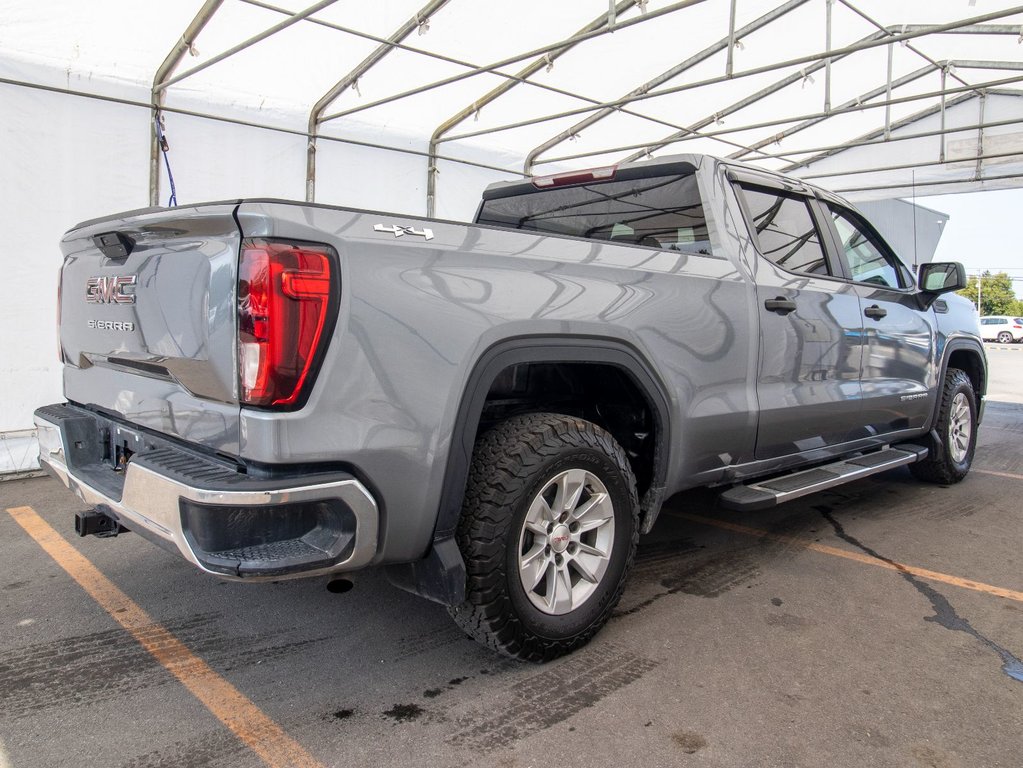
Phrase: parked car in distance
{"type": "Point", "coordinates": [1004, 329]}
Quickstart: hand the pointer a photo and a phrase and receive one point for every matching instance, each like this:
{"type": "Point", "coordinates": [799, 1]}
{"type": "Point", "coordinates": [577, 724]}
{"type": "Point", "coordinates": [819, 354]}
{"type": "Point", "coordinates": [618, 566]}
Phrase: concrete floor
{"type": "Point", "coordinates": [802, 647]}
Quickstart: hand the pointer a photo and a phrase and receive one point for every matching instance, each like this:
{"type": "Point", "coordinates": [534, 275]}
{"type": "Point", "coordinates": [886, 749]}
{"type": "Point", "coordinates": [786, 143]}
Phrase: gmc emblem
{"type": "Point", "coordinates": [111, 289]}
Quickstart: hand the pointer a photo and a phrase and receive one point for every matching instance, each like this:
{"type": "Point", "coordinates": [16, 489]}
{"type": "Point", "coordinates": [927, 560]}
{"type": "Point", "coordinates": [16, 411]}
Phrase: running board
{"type": "Point", "coordinates": [761, 494]}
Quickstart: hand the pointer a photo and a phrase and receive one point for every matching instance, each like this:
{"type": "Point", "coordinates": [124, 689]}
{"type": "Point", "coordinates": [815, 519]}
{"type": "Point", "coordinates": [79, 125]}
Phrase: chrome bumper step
{"type": "Point", "coordinates": [769, 492]}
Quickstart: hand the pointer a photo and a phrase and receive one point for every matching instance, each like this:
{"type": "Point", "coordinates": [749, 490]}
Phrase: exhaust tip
{"type": "Point", "coordinates": [339, 586]}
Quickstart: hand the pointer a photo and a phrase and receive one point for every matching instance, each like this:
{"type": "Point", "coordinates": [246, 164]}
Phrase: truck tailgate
{"type": "Point", "coordinates": [148, 321]}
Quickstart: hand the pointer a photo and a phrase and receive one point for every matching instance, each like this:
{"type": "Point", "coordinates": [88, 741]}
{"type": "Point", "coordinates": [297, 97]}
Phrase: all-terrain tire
{"type": "Point", "coordinates": [513, 465]}
{"type": "Point", "coordinates": [952, 461]}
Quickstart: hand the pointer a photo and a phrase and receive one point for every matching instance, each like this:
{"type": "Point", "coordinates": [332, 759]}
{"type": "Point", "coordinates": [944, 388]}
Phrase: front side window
{"type": "Point", "coordinates": [864, 255]}
{"type": "Point", "coordinates": [661, 212]}
{"type": "Point", "coordinates": [785, 231]}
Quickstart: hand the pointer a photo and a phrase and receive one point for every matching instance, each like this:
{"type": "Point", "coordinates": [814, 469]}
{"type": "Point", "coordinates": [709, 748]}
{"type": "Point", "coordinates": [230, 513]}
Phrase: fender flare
{"type": "Point", "coordinates": [965, 343]}
{"type": "Point", "coordinates": [440, 576]}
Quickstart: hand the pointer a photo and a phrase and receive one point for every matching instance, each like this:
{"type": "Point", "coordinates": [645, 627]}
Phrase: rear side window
{"type": "Point", "coordinates": [785, 230]}
{"type": "Point", "coordinates": [661, 212]}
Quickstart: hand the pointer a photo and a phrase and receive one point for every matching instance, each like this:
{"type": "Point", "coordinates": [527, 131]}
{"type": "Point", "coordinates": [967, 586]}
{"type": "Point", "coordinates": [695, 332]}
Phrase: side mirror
{"type": "Point", "coordinates": [941, 277]}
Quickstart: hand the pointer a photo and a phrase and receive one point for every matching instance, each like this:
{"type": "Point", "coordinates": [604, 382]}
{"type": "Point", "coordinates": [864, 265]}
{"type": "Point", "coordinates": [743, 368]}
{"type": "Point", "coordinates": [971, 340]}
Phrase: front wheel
{"type": "Point", "coordinates": [957, 430]}
{"type": "Point", "coordinates": [548, 532]}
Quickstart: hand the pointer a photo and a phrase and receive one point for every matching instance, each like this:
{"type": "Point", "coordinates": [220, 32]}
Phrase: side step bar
{"type": "Point", "coordinates": [761, 494]}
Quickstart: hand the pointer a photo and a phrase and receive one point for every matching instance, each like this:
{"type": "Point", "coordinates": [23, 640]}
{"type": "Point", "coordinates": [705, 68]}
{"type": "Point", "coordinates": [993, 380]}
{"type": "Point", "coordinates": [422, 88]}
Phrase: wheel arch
{"type": "Point", "coordinates": [440, 576]}
{"type": "Point", "coordinates": [966, 354]}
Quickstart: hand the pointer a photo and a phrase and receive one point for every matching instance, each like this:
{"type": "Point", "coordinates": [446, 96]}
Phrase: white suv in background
{"type": "Point", "coordinates": [1001, 328]}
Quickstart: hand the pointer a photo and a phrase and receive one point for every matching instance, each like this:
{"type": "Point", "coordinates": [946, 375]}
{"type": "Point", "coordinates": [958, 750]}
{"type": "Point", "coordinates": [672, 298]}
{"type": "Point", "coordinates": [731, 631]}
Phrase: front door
{"type": "Point", "coordinates": [899, 376]}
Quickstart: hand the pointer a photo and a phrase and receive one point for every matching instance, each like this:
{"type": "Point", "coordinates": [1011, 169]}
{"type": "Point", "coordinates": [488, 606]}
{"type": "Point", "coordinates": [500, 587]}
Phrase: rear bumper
{"type": "Point", "coordinates": [221, 520]}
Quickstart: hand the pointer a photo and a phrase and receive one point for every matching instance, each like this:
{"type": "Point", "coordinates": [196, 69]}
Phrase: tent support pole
{"type": "Point", "coordinates": [168, 66]}
{"type": "Point", "coordinates": [731, 39]}
{"type": "Point", "coordinates": [351, 79]}
{"type": "Point", "coordinates": [980, 137]}
{"type": "Point", "coordinates": [547, 60]}
{"type": "Point", "coordinates": [888, 95]}
{"type": "Point", "coordinates": [866, 43]}
{"type": "Point", "coordinates": [781, 121]}
{"type": "Point", "coordinates": [827, 61]}
{"type": "Point", "coordinates": [678, 69]}
{"type": "Point", "coordinates": [944, 76]}
{"type": "Point", "coordinates": [247, 43]}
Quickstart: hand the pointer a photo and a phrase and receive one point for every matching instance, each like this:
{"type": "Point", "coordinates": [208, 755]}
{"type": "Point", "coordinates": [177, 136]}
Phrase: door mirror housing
{"type": "Point", "coordinates": [941, 277]}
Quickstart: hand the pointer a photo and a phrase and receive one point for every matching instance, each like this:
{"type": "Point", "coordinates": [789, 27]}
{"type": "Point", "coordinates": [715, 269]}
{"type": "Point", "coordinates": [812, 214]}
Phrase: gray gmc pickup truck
{"type": "Point", "coordinates": [496, 411]}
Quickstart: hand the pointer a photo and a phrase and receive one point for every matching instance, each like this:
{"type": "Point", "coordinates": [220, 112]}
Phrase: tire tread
{"type": "Point", "coordinates": [504, 462]}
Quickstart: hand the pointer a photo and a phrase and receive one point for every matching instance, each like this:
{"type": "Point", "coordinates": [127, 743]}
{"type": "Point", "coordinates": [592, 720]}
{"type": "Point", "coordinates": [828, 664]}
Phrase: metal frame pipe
{"type": "Point", "coordinates": [980, 136]}
{"type": "Point", "coordinates": [874, 93]}
{"type": "Point", "coordinates": [827, 62]}
{"type": "Point", "coordinates": [600, 22]}
{"type": "Point", "coordinates": [860, 99]}
{"type": "Point", "coordinates": [862, 45]}
{"type": "Point", "coordinates": [662, 78]}
{"type": "Point", "coordinates": [352, 77]}
{"type": "Point", "coordinates": [730, 55]}
{"type": "Point", "coordinates": [936, 183]}
{"type": "Point", "coordinates": [797, 118]}
{"type": "Point", "coordinates": [888, 92]}
{"type": "Point", "coordinates": [647, 17]}
{"type": "Point", "coordinates": [879, 133]}
{"type": "Point", "coordinates": [900, 167]}
{"type": "Point", "coordinates": [878, 139]}
{"type": "Point", "coordinates": [169, 64]}
{"type": "Point", "coordinates": [944, 76]}
{"type": "Point", "coordinates": [247, 43]}
{"type": "Point", "coordinates": [977, 29]}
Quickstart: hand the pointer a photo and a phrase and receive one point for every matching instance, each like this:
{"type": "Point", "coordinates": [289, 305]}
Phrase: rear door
{"type": "Point", "coordinates": [899, 376]}
{"type": "Point", "coordinates": [148, 321]}
{"type": "Point", "coordinates": [808, 385]}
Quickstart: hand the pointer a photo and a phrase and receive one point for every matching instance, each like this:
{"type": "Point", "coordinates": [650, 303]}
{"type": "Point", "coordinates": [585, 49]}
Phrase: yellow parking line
{"type": "Point", "coordinates": [1009, 475]}
{"type": "Point", "coordinates": [923, 573]}
{"type": "Point", "coordinates": [261, 734]}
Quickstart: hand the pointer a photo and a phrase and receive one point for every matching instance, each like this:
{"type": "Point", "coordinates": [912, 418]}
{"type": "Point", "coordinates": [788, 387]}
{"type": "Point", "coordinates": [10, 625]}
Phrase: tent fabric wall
{"type": "Point", "coordinates": [66, 159]}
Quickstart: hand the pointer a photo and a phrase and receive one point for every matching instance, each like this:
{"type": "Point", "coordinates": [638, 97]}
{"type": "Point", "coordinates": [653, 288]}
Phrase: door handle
{"type": "Point", "coordinates": [875, 312]}
{"type": "Point", "coordinates": [780, 304]}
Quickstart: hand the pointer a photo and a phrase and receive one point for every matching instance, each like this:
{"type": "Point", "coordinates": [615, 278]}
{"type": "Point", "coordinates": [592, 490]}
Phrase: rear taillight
{"type": "Point", "coordinates": [287, 300]}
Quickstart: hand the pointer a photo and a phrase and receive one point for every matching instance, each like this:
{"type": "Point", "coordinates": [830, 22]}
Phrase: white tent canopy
{"type": "Point", "coordinates": [415, 105]}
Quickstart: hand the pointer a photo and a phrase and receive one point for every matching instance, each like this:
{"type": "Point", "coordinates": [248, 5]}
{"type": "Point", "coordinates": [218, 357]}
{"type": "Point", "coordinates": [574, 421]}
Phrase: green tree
{"type": "Point", "coordinates": [996, 294]}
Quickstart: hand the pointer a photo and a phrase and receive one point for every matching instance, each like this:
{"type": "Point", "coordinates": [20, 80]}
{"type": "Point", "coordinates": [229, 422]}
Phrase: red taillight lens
{"type": "Point", "coordinates": [286, 301]}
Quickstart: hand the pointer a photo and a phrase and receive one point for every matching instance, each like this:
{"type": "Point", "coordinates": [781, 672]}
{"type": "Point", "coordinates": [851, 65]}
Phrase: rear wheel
{"type": "Point", "coordinates": [1005, 337]}
{"type": "Point", "coordinates": [957, 430]}
{"type": "Point", "coordinates": [548, 532]}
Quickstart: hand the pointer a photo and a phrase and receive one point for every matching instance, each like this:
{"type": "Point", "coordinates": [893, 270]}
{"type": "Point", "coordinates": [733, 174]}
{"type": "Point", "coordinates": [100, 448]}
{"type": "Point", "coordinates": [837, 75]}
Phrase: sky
{"type": "Point", "coordinates": [984, 231]}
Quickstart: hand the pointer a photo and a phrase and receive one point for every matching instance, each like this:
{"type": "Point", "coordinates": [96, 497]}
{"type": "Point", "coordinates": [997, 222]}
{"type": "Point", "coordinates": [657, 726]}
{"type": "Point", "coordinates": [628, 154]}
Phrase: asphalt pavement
{"type": "Point", "coordinates": [879, 624]}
